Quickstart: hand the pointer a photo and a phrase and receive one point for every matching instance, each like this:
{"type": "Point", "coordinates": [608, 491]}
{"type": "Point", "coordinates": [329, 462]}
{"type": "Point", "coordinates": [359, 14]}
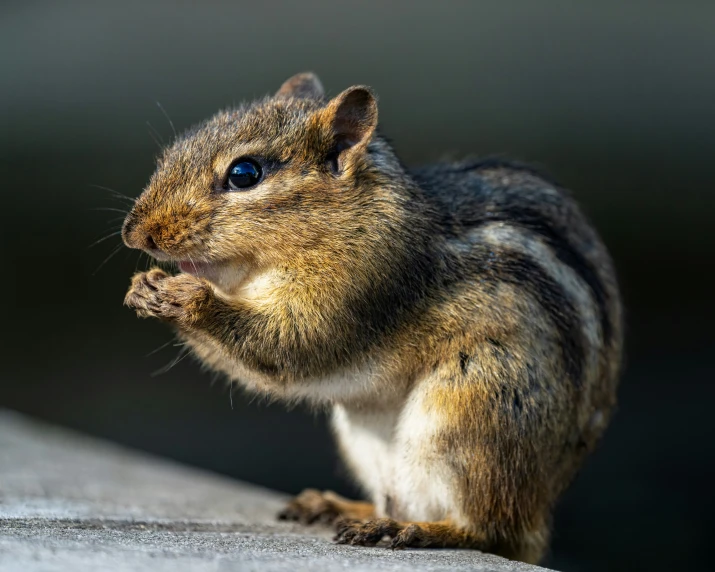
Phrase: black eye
{"type": "Point", "coordinates": [243, 173]}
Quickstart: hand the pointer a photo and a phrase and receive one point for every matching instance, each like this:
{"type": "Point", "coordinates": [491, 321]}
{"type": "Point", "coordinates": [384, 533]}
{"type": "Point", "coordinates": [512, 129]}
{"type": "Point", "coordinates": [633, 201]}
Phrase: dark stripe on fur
{"type": "Point", "coordinates": [524, 272]}
{"type": "Point", "coordinates": [466, 200]}
{"type": "Point", "coordinates": [565, 252]}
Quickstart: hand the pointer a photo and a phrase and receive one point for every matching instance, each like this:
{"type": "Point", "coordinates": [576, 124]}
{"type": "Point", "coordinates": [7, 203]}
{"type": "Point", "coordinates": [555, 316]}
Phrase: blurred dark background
{"type": "Point", "coordinates": [616, 100]}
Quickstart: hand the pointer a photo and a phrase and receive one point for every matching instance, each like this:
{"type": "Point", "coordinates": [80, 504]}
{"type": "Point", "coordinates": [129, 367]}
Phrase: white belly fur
{"type": "Point", "coordinates": [392, 455]}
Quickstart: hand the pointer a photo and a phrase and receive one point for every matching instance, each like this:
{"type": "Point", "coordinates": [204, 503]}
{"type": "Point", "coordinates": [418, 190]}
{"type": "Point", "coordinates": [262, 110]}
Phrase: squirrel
{"type": "Point", "coordinates": [461, 321]}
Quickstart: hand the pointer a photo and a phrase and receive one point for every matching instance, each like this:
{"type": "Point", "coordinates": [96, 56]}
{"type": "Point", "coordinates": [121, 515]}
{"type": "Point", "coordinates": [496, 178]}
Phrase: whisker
{"type": "Point", "coordinates": [110, 190]}
{"type": "Point", "coordinates": [117, 219]}
{"type": "Point", "coordinates": [111, 255]}
{"type": "Point", "coordinates": [167, 118]}
{"type": "Point", "coordinates": [161, 347]}
{"type": "Point", "coordinates": [139, 259]}
{"type": "Point", "coordinates": [110, 209]}
{"type": "Point", "coordinates": [114, 192]}
{"type": "Point", "coordinates": [155, 135]}
{"type": "Point", "coordinates": [193, 263]}
{"type": "Point", "coordinates": [96, 242]}
{"type": "Point", "coordinates": [183, 352]}
{"type": "Point", "coordinates": [214, 377]}
{"type": "Point", "coordinates": [150, 262]}
{"type": "Point", "coordinates": [128, 255]}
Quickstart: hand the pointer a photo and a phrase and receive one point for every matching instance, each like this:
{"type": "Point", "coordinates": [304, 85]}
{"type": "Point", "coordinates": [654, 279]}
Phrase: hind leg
{"type": "Point", "coordinates": [326, 507]}
{"type": "Point", "coordinates": [529, 547]}
{"type": "Point", "coordinates": [443, 534]}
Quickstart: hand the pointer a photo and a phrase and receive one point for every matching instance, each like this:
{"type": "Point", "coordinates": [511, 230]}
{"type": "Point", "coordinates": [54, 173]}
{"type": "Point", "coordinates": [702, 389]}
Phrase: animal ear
{"type": "Point", "coordinates": [303, 85]}
{"type": "Point", "coordinates": [352, 119]}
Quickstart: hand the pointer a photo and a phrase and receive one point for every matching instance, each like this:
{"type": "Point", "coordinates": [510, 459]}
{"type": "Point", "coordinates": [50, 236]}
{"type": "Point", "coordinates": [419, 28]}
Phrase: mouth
{"type": "Point", "coordinates": [226, 275]}
{"type": "Point", "coordinates": [195, 268]}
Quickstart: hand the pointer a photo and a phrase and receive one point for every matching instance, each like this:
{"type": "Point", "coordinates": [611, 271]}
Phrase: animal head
{"type": "Point", "coordinates": [262, 184]}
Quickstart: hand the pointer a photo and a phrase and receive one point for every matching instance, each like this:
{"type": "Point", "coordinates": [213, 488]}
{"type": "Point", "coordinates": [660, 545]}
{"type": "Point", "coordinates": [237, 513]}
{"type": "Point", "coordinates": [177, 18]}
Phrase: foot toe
{"type": "Point", "coordinates": [368, 533]}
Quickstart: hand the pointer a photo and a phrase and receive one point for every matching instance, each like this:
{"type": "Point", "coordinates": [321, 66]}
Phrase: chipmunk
{"type": "Point", "coordinates": [462, 321]}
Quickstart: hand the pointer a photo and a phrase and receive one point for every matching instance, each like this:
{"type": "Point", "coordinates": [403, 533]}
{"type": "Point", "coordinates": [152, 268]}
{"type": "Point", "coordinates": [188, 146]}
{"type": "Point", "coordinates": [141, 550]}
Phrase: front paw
{"type": "Point", "coordinates": [178, 299]}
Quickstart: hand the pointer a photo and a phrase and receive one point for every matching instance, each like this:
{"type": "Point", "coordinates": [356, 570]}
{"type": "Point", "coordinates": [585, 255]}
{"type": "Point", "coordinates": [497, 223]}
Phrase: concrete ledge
{"type": "Point", "coordinates": [68, 503]}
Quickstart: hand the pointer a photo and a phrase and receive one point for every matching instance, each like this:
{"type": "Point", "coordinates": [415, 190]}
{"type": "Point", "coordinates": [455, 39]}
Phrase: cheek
{"type": "Point", "coordinates": [279, 218]}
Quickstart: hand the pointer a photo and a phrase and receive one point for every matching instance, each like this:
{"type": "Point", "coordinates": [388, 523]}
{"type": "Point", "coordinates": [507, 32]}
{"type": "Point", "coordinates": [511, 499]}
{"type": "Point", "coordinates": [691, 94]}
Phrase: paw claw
{"type": "Point", "coordinates": [358, 533]}
{"type": "Point", "coordinates": [408, 536]}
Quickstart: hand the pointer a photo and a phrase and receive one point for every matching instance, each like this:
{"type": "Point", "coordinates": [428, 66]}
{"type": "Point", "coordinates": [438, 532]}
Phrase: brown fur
{"type": "Point", "coordinates": [325, 506]}
{"type": "Point", "coordinates": [463, 320]}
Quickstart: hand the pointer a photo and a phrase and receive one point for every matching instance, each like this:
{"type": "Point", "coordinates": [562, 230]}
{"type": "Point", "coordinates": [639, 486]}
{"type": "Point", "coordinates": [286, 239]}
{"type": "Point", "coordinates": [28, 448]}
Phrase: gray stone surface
{"type": "Point", "coordinates": [70, 503]}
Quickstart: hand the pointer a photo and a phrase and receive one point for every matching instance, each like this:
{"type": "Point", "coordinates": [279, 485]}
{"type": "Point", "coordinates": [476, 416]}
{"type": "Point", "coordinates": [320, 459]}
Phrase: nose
{"type": "Point", "coordinates": [149, 241]}
{"type": "Point", "coordinates": [135, 237]}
